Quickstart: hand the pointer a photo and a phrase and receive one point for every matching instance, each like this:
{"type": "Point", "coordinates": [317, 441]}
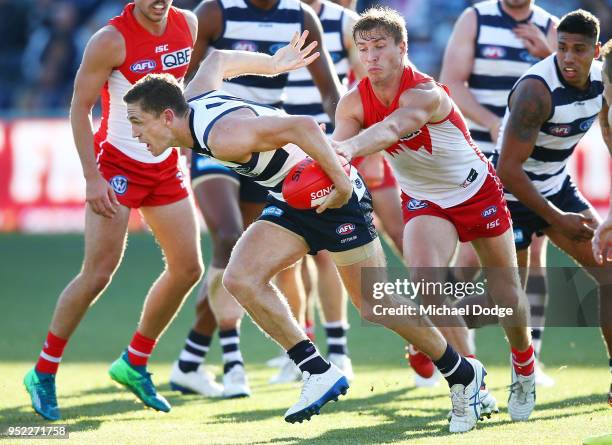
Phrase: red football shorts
{"type": "Point", "coordinates": [388, 180]}
{"type": "Point", "coordinates": [140, 184]}
{"type": "Point", "coordinates": [484, 215]}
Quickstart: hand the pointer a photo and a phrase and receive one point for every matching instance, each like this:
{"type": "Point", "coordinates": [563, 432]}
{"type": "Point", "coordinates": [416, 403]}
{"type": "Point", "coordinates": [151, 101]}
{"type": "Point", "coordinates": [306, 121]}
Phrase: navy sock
{"type": "Point", "coordinates": [454, 368]}
{"type": "Point", "coordinates": [306, 357]}
{"type": "Point", "coordinates": [194, 351]}
{"type": "Point", "coordinates": [230, 344]}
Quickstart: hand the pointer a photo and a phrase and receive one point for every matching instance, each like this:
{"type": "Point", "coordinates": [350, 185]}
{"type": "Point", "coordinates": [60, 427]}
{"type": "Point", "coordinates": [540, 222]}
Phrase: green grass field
{"type": "Point", "coordinates": [382, 405]}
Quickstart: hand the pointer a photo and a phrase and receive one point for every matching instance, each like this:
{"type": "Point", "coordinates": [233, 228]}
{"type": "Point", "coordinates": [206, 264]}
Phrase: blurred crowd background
{"type": "Point", "coordinates": [43, 41]}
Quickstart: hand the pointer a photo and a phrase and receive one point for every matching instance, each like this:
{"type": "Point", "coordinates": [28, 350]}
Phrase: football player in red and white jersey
{"type": "Point", "coordinates": [122, 174]}
{"type": "Point", "coordinates": [450, 191]}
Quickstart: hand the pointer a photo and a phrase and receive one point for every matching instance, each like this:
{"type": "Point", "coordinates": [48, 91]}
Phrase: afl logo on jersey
{"type": "Point", "coordinates": [560, 130]}
{"type": "Point", "coordinates": [119, 184]}
{"type": "Point", "coordinates": [143, 66]}
{"type": "Point", "coordinates": [176, 58]}
{"type": "Point", "coordinates": [493, 52]}
{"type": "Point", "coordinates": [489, 211]}
{"type": "Point", "coordinates": [245, 45]}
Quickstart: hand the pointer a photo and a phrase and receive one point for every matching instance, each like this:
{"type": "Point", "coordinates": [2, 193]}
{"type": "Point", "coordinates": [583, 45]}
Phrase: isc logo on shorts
{"type": "Point", "coordinates": [175, 59]}
{"type": "Point", "coordinates": [272, 211]}
{"type": "Point", "coordinates": [119, 184]}
{"type": "Point", "coordinates": [345, 229]}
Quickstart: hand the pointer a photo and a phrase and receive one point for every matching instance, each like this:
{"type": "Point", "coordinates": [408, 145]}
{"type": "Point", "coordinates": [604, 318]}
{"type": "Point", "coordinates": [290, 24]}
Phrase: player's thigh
{"type": "Point", "coordinates": [581, 251]}
{"type": "Point", "coordinates": [262, 251]}
{"type": "Point", "coordinates": [176, 229]}
{"type": "Point", "coordinates": [429, 241]}
{"type": "Point", "coordinates": [352, 274]}
{"type": "Point", "coordinates": [104, 240]}
{"type": "Point", "coordinates": [217, 198]}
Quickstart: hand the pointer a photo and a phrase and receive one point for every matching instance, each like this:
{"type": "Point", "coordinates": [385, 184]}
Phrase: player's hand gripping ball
{"type": "Point", "coordinates": [306, 186]}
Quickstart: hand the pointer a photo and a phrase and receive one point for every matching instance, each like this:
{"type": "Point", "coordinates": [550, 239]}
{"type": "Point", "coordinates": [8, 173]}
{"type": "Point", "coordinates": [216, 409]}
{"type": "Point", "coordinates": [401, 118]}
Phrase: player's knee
{"type": "Point", "coordinates": [223, 243]}
{"type": "Point", "coordinates": [189, 270]}
{"type": "Point", "coordinates": [97, 281]}
{"type": "Point", "coordinates": [238, 284]}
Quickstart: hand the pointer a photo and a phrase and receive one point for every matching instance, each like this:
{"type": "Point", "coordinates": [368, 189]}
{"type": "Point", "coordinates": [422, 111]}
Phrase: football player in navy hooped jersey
{"type": "Point", "coordinates": [238, 133]}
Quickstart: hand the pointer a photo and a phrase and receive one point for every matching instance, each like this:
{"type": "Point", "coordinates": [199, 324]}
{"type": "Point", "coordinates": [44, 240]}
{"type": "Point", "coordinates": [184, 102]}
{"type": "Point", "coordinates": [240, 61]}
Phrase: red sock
{"type": "Point", "coordinates": [309, 330]}
{"type": "Point", "coordinates": [51, 354]}
{"type": "Point", "coordinates": [140, 349]}
{"type": "Point", "coordinates": [523, 362]}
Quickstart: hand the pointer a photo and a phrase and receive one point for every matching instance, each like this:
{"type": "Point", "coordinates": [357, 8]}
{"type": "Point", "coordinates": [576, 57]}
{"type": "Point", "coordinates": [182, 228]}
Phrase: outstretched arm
{"type": "Point", "coordinates": [417, 107]}
{"type": "Point", "coordinates": [235, 138]}
{"type": "Point", "coordinates": [222, 64]}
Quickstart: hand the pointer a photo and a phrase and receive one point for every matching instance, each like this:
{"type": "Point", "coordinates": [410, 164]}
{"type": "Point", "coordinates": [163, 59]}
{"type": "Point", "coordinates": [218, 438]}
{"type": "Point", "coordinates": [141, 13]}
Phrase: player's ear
{"type": "Point", "coordinates": [168, 116]}
{"type": "Point", "coordinates": [597, 50]}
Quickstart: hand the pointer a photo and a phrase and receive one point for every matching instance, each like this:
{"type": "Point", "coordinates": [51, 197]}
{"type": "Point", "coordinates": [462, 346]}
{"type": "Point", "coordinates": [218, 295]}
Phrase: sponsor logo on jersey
{"type": "Point", "coordinates": [410, 136]}
{"type": "Point", "coordinates": [245, 45]}
{"type": "Point", "coordinates": [518, 236]}
{"type": "Point", "coordinates": [119, 184]}
{"type": "Point", "coordinates": [493, 52]}
{"type": "Point", "coordinates": [489, 211]}
{"type": "Point", "coordinates": [358, 183]}
{"type": "Point", "coordinates": [415, 204]}
{"type": "Point", "coordinates": [348, 240]}
{"type": "Point", "coordinates": [181, 177]}
{"type": "Point", "coordinates": [176, 58]}
{"type": "Point", "coordinates": [560, 130]}
{"type": "Point", "coordinates": [336, 56]}
{"type": "Point", "coordinates": [345, 229]}
{"type": "Point", "coordinates": [143, 66]}
{"type": "Point", "coordinates": [471, 178]}
{"type": "Point", "coordinates": [527, 57]}
{"type": "Point", "coordinates": [272, 211]}
{"type": "Point", "coordinates": [587, 124]}
{"type": "Point", "coordinates": [275, 47]}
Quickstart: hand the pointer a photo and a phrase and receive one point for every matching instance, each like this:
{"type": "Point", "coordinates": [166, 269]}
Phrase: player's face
{"type": "Point", "coordinates": [150, 129]}
{"type": "Point", "coordinates": [154, 10]}
{"type": "Point", "coordinates": [575, 55]}
{"type": "Point", "coordinates": [379, 53]}
{"type": "Point", "coordinates": [516, 4]}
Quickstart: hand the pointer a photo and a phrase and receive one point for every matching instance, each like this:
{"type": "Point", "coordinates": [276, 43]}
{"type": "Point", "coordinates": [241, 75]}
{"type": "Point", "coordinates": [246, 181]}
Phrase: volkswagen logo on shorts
{"type": "Point", "coordinates": [119, 184]}
{"type": "Point", "coordinates": [345, 229]}
{"type": "Point", "coordinates": [587, 124]}
{"type": "Point", "coordinates": [415, 204]}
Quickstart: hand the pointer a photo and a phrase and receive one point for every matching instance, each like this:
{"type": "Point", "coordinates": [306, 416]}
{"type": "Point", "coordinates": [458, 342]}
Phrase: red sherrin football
{"type": "Point", "coordinates": [306, 186]}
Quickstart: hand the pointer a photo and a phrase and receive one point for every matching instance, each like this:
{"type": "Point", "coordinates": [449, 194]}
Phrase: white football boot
{"type": "Point", "coordinates": [317, 390]}
{"type": "Point", "coordinates": [196, 382]}
{"type": "Point", "coordinates": [522, 398]}
{"type": "Point", "coordinates": [236, 383]}
{"type": "Point", "coordinates": [465, 400]}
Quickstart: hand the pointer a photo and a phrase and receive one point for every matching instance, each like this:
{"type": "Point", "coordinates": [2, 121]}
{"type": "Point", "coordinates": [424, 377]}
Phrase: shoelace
{"type": "Point", "coordinates": [46, 388]}
{"type": "Point", "coordinates": [147, 384]}
{"type": "Point", "coordinates": [307, 383]}
{"type": "Point", "coordinates": [517, 389]}
{"type": "Point", "coordinates": [459, 403]}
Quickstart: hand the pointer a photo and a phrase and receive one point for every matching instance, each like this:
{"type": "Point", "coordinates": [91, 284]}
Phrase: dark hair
{"type": "Point", "coordinates": [156, 93]}
{"type": "Point", "coordinates": [606, 54]}
{"type": "Point", "coordinates": [580, 22]}
{"type": "Point", "coordinates": [382, 17]}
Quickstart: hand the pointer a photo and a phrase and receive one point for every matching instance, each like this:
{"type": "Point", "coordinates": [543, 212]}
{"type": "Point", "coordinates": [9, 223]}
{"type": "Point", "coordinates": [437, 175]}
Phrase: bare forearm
{"type": "Point", "coordinates": [518, 183]}
{"type": "Point", "coordinates": [82, 131]}
{"type": "Point", "coordinates": [469, 106]}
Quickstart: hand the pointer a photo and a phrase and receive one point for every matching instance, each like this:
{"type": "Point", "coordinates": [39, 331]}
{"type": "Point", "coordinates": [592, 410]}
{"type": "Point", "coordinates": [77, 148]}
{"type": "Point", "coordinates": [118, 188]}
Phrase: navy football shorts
{"type": "Point", "coordinates": [204, 166]}
{"type": "Point", "coordinates": [526, 222]}
{"type": "Point", "coordinates": [336, 230]}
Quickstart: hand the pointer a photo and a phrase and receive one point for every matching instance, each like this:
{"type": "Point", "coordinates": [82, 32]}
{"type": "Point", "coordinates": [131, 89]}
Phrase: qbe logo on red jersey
{"type": "Point", "coordinates": [175, 59]}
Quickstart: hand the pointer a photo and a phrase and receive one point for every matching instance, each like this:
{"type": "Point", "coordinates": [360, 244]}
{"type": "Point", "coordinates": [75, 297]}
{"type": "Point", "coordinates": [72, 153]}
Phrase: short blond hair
{"type": "Point", "coordinates": [385, 18]}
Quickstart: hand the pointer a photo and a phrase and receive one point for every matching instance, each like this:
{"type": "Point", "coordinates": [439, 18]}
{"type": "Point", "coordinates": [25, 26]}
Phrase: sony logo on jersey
{"type": "Point", "coordinates": [176, 58]}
